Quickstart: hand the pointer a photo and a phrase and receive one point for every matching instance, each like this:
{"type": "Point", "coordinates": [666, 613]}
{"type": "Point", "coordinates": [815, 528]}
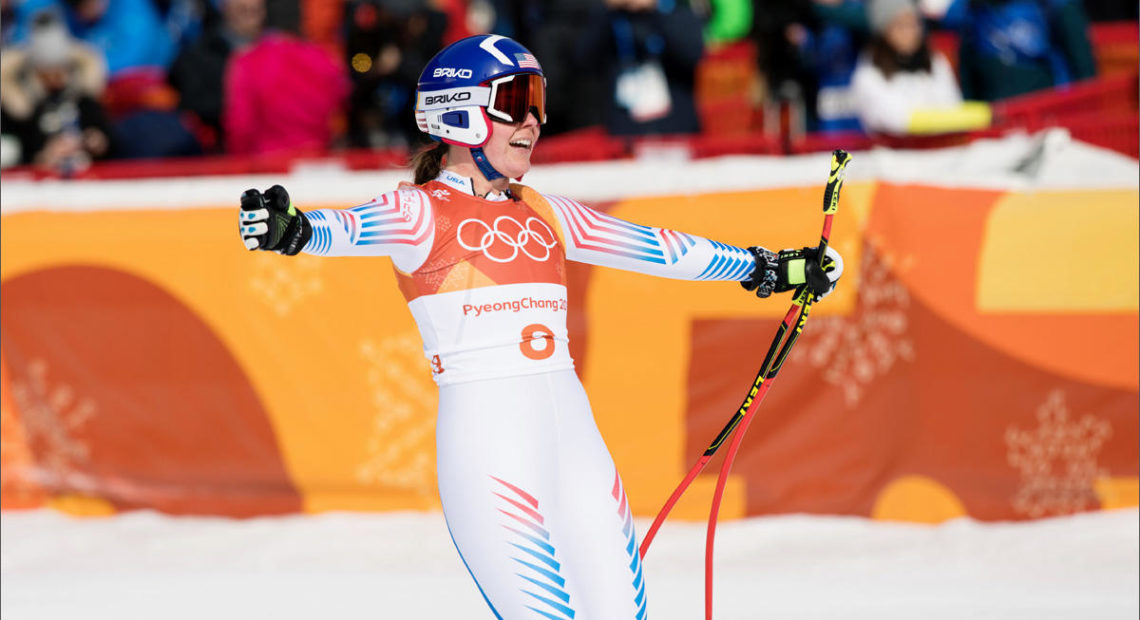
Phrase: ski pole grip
{"type": "Point", "coordinates": [839, 161]}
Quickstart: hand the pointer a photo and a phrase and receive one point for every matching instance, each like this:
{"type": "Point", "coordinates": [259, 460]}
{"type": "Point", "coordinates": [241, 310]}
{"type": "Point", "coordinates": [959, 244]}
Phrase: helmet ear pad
{"type": "Point", "coordinates": [466, 125]}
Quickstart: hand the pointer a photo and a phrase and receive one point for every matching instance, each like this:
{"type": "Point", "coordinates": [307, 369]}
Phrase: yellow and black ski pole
{"type": "Point", "coordinates": [787, 334]}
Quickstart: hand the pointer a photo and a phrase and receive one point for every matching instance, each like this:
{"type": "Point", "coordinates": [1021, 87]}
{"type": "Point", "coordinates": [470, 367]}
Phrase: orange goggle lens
{"type": "Point", "coordinates": [515, 95]}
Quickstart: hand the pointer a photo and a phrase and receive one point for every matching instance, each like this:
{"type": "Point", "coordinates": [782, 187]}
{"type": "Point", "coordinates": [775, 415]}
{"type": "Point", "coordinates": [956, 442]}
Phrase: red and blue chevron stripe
{"type": "Point", "coordinates": [598, 232]}
{"type": "Point", "coordinates": [677, 244]}
{"type": "Point", "coordinates": [624, 512]}
{"type": "Point", "coordinates": [350, 221]}
{"type": "Point", "coordinates": [321, 240]}
{"type": "Point", "coordinates": [398, 218]}
{"type": "Point", "coordinates": [728, 263]}
{"type": "Point", "coordinates": [543, 569]}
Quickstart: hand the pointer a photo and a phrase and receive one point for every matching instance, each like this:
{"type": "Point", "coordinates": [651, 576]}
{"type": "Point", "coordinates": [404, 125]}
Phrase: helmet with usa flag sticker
{"type": "Point", "coordinates": [473, 81]}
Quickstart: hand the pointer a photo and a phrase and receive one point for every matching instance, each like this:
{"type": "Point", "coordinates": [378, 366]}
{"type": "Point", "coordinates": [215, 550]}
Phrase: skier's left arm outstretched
{"type": "Point", "coordinates": [599, 239]}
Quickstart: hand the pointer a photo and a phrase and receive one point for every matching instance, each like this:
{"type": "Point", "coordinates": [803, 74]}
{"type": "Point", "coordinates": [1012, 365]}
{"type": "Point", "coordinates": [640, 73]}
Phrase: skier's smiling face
{"type": "Point", "coordinates": [509, 148]}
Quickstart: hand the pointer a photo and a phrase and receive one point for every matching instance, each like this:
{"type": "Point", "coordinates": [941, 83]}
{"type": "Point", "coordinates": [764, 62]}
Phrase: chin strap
{"type": "Point", "coordinates": [484, 166]}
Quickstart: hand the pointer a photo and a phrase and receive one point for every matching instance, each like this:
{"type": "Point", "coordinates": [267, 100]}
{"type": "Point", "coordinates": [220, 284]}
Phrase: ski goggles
{"type": "Point", "coordinates": [513, 96]}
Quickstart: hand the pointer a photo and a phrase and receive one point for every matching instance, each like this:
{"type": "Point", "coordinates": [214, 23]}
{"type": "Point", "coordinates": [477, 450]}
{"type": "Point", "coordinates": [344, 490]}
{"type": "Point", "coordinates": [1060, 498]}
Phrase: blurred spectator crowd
{"type": "Point", "coordinates": [84, 80]}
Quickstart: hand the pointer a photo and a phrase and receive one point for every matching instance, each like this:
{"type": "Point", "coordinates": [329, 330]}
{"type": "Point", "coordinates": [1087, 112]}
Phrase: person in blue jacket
{"type": "Point", "coordinates": [130, 33]}
{"type": "Point", "coordinates": [1013, 47]}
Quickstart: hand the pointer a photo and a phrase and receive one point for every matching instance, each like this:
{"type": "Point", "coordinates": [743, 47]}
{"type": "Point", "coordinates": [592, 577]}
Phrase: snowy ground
{"type": "Point", "coordinates": [144, 565]}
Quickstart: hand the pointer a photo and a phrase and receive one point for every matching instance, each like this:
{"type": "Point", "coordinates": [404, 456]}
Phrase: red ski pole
{"type": "Point", "coordinates": [788, 332]}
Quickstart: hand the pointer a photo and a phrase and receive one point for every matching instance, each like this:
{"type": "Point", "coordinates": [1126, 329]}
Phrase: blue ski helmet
{"type": "Point", "coordinates": [476, 79]}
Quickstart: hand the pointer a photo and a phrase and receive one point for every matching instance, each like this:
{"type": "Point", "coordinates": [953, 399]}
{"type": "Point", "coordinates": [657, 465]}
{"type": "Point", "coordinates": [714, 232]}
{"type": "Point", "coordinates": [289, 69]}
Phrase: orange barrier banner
{"type": "Point", "coordinates": [980, 358]}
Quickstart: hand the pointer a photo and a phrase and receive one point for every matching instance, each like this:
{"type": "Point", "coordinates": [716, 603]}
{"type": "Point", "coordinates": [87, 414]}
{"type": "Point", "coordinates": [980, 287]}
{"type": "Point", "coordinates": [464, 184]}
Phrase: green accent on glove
{"type": "Point", "coordinates": [796, 268]}
{"type": "Point", "coordinates": [292, 210]}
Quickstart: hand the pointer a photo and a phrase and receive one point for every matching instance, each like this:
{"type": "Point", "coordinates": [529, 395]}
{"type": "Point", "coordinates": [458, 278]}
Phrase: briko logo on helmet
{"type": "Point", "coordinates": [452, 72]}
{"type": "Point", "coordinates": [453, 97]}
{"type": "Point", "coordinates": [474, 80]}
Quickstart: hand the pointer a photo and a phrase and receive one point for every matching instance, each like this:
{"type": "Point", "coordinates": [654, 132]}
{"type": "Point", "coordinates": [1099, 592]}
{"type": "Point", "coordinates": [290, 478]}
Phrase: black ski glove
{"type": "Point", "coordinates": [269, 221]}
{"type": "Point", "coordinates": [790, 269]}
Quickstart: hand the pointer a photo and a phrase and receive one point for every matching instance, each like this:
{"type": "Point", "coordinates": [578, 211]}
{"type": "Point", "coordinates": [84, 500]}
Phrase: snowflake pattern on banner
{"type": "Point", "coordinates": [16, 461]}
{"type": "Point", "coordinates": [52, 416]}
{"type": "Point", "coordinates": [856, 349]}
{"type": "Point", "coordinates": [1057, 460]}
{"type": "Point", "coordinates": [401, 445]}
{"type": "Point", "coordinates": [282, 284]}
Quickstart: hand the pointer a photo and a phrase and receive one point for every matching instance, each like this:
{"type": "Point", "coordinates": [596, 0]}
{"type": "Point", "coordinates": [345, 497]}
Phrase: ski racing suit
{"type": "Point", "coordinates": [533, 502]}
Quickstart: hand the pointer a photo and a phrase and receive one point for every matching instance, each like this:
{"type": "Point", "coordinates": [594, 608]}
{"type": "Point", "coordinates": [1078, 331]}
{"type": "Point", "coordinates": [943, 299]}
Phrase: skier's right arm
{"type": "Point", "coordinates": [396, 224]}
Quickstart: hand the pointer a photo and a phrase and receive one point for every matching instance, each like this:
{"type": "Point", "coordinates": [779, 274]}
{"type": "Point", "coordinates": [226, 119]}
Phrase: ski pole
{"type": "Point", "coordinates": [757, 392]}
{"type": "Point", "coordinates": [803, 298]}
{"type": "Point", "coordinates": [791, 327]}
{"type": "Point", "coordinates": [839, 161]}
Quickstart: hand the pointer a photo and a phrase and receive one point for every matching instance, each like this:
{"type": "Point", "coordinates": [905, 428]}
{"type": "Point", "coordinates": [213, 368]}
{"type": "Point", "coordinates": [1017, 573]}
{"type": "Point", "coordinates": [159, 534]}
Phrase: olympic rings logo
{"type": "Point", "coordinates": [491, 238]}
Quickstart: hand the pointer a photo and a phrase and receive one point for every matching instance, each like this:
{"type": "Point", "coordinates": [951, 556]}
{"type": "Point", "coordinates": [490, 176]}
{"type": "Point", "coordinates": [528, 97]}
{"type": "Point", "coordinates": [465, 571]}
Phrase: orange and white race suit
{"type": "Point", "coordinates": [530, 493]}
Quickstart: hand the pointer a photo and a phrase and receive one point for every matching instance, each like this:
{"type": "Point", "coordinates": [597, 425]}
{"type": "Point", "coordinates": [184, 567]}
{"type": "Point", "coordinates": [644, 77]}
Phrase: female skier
{"type": "Point", "coordinates": [529, 491]}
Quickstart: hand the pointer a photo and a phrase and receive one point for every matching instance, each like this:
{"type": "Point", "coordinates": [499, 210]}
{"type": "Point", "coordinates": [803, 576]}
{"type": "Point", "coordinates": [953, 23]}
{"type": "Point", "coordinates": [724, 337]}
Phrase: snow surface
{"type": "Point", "coordinates": [402, 565]}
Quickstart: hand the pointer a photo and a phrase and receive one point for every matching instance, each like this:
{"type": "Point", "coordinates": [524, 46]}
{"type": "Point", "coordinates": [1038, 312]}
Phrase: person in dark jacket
{"type": "Point", "coordinates": [198, 73]}
{"type": "Point", "coordinates": [649, 49]}
{"type": "Point", "coordinates": [551, 29]}
{"type": "Point", "coordinates": [808, 50]}
{"type": "Point", "coordinates": [387, 43]}
{"type": "Point", "coordinates": [1012, 47]}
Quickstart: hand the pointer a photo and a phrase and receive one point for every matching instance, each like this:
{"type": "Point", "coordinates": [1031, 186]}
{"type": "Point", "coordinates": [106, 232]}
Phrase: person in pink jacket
{"type": "Point", "coordinates": [282, 94]}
